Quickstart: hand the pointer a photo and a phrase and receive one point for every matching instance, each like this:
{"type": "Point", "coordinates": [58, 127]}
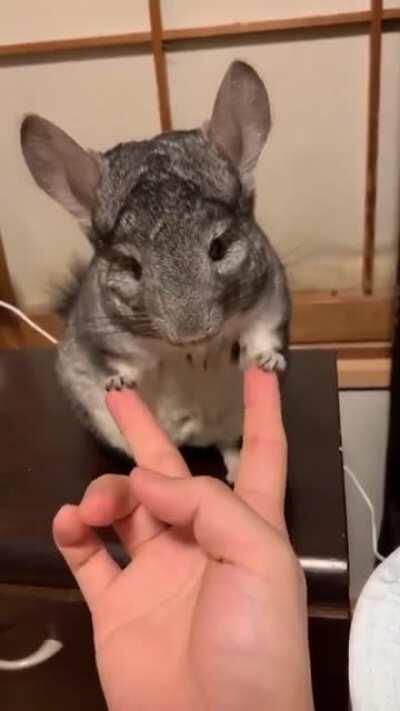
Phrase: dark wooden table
{"type": "Point", "coordinates": [48, 459]}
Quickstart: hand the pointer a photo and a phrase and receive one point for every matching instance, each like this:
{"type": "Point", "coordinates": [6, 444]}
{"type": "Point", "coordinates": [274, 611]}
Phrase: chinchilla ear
{"type": "Point", "coordinates": [241, 119]}
{"type": "Point", "coordinates": [67, 172]}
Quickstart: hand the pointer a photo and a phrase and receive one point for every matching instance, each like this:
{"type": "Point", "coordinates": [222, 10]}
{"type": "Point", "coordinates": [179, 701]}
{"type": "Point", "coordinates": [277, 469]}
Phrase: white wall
{"type": "Point", "coordinates": [311, 178]}
{"type": "Point", "coordinates": [364, 422]}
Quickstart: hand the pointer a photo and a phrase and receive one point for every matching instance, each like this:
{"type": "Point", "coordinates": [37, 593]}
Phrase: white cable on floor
{"type": "Point", "coordinates": [371, 510]}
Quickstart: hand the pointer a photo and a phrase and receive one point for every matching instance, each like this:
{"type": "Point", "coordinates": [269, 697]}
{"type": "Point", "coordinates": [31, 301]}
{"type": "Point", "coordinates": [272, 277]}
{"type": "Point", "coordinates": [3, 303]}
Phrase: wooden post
{"type": "Point", "coordinates": [160, 64]}
{"type": "Point", "coordinates": [375, 51]}
{"type": "Point", "coordinates": [10, 332]}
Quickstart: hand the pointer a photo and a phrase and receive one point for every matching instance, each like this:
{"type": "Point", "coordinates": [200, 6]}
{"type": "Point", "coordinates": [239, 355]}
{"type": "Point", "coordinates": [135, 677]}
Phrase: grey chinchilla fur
{"type": "Point", "coordinates": [184, 289]}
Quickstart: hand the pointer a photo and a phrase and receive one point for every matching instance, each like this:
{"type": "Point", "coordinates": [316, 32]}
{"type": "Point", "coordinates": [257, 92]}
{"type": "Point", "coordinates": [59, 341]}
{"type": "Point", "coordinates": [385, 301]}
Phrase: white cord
{"type": "Point", "coordinates": [371, 510]}
{"type": "Point", "coordinates": [27, 320]}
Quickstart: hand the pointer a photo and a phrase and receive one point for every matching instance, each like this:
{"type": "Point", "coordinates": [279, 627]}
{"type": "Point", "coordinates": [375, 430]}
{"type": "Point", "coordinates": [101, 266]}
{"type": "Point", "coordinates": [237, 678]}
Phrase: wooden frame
{"type": "Point", "coordinates": [359, 316]}
{"type": "Point", "coordinates": [335, 21]}
{"type": "Point", "coordinates": [375, 50]}
{"type": "Point", "coordinates": [360, 364]}
{"type": "Point", "coordinates": [11, 335]}
{"type": "Point", "coordinates": [160, 65]}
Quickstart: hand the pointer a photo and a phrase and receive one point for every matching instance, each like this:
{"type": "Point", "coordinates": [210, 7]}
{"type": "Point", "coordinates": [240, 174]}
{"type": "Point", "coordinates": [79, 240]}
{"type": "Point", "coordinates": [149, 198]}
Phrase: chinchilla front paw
{"type": "Point", "coordinates": [118, 382]}
{"type": "Point", "coordinates": [267, 360]}
{"type": "Point", "coordinates": [271, 360]}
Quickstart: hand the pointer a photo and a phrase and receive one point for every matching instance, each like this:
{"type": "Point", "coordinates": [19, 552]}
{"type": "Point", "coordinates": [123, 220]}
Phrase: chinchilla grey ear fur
{"type": "Point", "coordinates": [67, 172]}
{"type": "Point", "coordinates": [241, 119]}
{"type": "Point", "coordinates": [85, 183]}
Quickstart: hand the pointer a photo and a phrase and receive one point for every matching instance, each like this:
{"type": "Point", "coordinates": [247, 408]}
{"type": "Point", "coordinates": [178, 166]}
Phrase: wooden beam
{"type": "Point", "coordinates": [364, 373]}
{"type": "Point", "coordinates": [347, 322]}
{"type": "Point", "coordinates": [360, 366]}
{"type": "Point", "coordinates": [345, 317]}
{"type": "Point", "coordinates": [57, 46]}
{"type": "Point", "coordinates": [335, 21]}
{"type": "Point", "coordinates": [6, 287]}
{"type": "Point", "coordinates": [10, 332]}
{"type": "Point", "coordinates": [160, 65]}
{"type": "Point", "coordinates": [359, 350]}
{"type": "Point", "coordinates": [308, 22]}
{"type": "Point", "coordinates": [391, 13]}
{"type": "Point", "coordinates": [375, 52]}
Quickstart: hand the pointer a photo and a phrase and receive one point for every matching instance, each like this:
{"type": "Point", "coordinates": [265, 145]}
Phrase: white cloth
{"type": "Point", "coordinates": [374, 663]}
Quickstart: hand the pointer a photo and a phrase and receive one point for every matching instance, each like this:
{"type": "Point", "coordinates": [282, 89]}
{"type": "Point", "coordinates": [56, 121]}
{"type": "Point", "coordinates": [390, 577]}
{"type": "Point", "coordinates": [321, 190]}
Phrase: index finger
{"type": "Point", "coordinates": [261, 479]}
{"type": "Point", "coordinates": [150, 446]}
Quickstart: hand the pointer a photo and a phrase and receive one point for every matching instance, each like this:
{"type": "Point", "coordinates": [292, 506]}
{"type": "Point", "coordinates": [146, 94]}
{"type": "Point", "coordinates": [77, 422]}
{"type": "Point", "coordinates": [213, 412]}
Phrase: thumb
{"type": "Point", "coordinates": [224, 526]}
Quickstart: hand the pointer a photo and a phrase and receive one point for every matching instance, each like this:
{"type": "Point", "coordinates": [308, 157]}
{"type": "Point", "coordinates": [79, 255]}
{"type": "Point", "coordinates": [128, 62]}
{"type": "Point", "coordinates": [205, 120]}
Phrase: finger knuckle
{"type": "Point", "coordinates": [209, 485]}
{"type": "Point", "coordinates": [104, 481]}
{"type": "Point", "coordinates": [166, 460]}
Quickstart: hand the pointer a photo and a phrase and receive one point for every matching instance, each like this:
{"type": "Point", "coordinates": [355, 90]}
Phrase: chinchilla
{"type": "Point", "coordinates": [184, 290]}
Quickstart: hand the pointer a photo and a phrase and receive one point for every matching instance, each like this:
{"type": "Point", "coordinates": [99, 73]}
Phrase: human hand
{"type": "Point", "coordinates": [211, 612]}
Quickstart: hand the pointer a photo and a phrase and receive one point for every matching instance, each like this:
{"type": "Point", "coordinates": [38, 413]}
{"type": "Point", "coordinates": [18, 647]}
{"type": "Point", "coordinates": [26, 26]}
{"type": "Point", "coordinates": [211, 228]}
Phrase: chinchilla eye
{"type": "Point", "coordinates": [136, 268]}
{"type": "Point", "coordinates": [217, 250]}
{"type": "Point", "coordinates": [127, 263]}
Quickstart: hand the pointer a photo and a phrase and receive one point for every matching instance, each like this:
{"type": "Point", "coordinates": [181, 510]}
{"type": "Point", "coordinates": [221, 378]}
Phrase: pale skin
{"type": "Point", "coordinates": [210, 615]}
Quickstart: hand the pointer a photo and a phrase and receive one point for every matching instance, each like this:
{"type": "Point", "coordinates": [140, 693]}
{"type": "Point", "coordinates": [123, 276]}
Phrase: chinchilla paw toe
{"type": "Point", "coordinates": [271, 360]}
{"type": "Point", "coordinates": [118, 382]}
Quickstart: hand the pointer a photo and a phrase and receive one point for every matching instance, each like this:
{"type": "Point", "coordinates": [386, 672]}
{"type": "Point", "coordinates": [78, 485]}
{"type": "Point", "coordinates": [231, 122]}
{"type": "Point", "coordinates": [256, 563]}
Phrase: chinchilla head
{"type": "Point", "coordinates": [171, 219]}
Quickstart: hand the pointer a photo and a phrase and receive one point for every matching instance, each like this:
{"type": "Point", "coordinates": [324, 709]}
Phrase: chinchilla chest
{"type": "Point", "coordinates": [196, 396]}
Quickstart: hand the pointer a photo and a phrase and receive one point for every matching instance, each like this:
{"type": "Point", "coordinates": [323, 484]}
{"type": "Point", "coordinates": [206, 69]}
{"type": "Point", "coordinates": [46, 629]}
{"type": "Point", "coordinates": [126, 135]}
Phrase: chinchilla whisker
{"type": "Point", "coordinates": [107, 326]}
{"type": "Point", "coordinates": [113, 331]}
{"type": "Point", "coordinates": [120, 323]}
{"type": "Point", "coordinates": [121, 319]}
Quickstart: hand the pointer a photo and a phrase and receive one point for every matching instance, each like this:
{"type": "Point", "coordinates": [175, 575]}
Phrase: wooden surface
{"type": "Point", "coordinates": [363, 364]}
{"type": "Point", "coordinates": [69, 681]}
{"type": "Point", "coordinates": [317, 318]}
{"type": "Point", "coordinates": [329, 640]}
{"type": "Point", "coordinates": [10, 332]}
{"type": "Point", "coordinates": [357, 350]}
{"type": "Point", "coordinates": [349, 317]}
{"type": "Point", "coordinates": [66, 682]}
{"type": "Point", "coordinates": [47, 453]}
{"type": "Point", "coordinates": [360, 374]}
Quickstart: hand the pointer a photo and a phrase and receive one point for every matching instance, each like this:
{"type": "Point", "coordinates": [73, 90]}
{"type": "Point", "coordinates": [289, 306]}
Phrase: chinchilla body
{"type": "Point", "coordinates": [184, 289]}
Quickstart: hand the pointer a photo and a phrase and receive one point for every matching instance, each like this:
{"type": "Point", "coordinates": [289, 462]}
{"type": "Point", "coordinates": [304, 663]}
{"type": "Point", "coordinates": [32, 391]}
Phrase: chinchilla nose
{"type": "Point", "coordinates": [194, 330]}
